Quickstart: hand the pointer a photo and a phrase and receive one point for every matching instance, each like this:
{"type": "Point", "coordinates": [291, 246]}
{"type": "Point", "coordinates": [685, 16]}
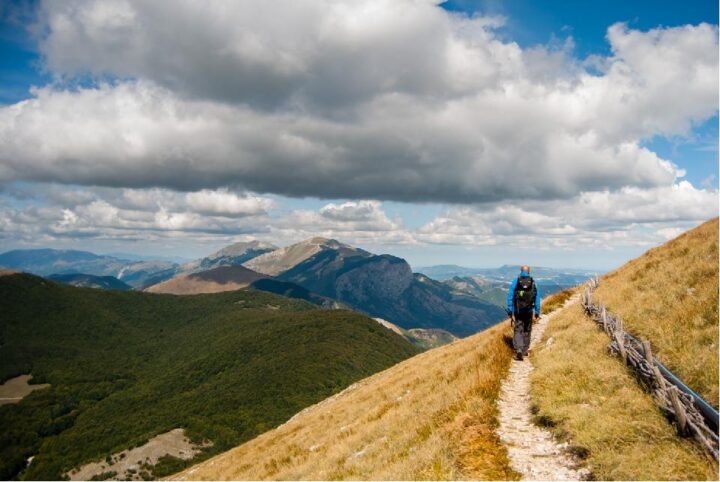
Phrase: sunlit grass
{"type": "Point", "coordinates": [670, 296]}
{"type": "Point", "coordinates": [430, 417]}
{"type": "Point", "coordinates": [433, 416]}
{"type": "Point", "coordinates": [590, 399]}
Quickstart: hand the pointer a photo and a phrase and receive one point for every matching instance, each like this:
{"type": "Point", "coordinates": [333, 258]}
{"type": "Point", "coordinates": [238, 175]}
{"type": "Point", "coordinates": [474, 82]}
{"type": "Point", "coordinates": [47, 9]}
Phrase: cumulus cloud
{"type": "Point", "coordinates": [51, 212]}
{"type": "Point", "coordinates": [224, 203]}
{"type": "Point", "coordinates": [630, 216]}
{"type": "Point", "coordinates": [606, 220]}
{"type": "Point", "coordinates": [359, 222]}
{"type": "Point", "coordinates": [390, 100]}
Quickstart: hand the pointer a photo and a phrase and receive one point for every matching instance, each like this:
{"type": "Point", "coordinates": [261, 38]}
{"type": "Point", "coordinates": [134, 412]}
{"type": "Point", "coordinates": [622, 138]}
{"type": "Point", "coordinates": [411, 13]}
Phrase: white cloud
{"type": "Point", "coordinates": [606, 220]}
{"type": "Point", "coordinates": [631, 216]}
{"type": "Point", "coordinates": [357, 222]}
{"type": "Point", "coordinates": [52, 213]}
{"type": "Point", "coordinates": [392, 100]}
{"type": "Point", "coordinates": [224, 203]}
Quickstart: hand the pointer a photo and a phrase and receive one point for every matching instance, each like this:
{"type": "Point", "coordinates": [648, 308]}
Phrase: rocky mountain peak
{"type": "Point", "coordinates": [243, 247]}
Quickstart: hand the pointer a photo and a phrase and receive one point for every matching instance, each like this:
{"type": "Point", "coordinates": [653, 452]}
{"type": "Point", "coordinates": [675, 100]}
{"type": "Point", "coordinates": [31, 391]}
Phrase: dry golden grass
{"type": "Point", "coordinates": [592, 400]}
{"type": "Point", "coordinates": [430, 417]}
{"type": "Point", "coordinates": [669, 295]}
{"type": "Point", "coordinates": [558, 299]}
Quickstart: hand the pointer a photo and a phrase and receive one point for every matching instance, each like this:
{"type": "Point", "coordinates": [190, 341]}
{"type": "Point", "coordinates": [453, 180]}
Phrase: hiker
{"type": "Point", "coordinates": [523, 308]}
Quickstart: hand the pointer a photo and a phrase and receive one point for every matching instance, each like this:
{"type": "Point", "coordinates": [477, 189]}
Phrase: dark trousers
{"type": "Point", "coordinates": [521, 332]}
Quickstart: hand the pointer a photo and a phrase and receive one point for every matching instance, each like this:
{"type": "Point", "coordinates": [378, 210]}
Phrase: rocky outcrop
{"type": "Point", "coordinates": [380, 277]}
{"type": "Point", "coordinates": [384, 286]}
{"type": "Point", "coordinates": [235, 254]}
{"type": "Point", "coordinates": [288, 258]}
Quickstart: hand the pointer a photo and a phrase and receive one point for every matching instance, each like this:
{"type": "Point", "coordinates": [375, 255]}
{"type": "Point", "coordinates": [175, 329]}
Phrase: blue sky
{"type": "Point", "coordinates": [429, 219]}
{"type": "Point", "coordinates": [532, 22]}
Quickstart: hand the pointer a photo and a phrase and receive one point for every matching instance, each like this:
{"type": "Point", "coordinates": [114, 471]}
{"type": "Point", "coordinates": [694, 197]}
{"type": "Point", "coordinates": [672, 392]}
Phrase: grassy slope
{"type": "Point", "coordinates": [430, 417]}
{"type": "Point", "coordinates": [433, 416]}
{"type": "Point", "coordinates": [670, 296]}
{"type": "Point", "coordinates": [125, 366]}
{"type": "Point", "coordinates": [594, 402]}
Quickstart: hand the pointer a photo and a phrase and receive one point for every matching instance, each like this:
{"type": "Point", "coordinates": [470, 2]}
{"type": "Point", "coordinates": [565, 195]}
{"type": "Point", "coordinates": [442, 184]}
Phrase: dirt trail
{"type": "Point", "coordinates": [533, 451]}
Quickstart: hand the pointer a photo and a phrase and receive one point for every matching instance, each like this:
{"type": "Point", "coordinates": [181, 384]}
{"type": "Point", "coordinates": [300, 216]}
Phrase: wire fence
{"type": "Point", "coordinates": [693, 415]}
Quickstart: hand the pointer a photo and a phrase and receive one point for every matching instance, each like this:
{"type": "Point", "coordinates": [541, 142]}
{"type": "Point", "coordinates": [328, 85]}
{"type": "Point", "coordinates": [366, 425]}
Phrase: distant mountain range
{"type": "Point", "coordinates": [382, 286]}
{"type": "Point", "coordinates": [46, 262]}
{"type": "Point", "coordinates": [139, 274]}
{"type": "Point", "coordinates": [507, 272]}
{"type": "Point", "coordinates": [235, 254]}
{"type": "Point", "coordinates": [324, 271]}
{"type": "Point", "coordinates": [90, 281]}
{"type": "Point", "coordinates": [235, 277]}
{"type": "Point", "coordinates": [491, 284]}
{"type": "Point", "coordinates": [215, 280]}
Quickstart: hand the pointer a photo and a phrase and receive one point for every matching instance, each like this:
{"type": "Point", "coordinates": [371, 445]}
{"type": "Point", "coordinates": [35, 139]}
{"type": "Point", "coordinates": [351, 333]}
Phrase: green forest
{"type": "Point", "coordinates": [125, 366]}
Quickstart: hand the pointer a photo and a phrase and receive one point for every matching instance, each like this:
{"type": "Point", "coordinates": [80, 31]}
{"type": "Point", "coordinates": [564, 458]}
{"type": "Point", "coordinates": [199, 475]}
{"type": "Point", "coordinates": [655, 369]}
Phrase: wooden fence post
{"type": "Point", "coordinates": [603, 316]}
{"type": "Point", "coordinates": [620, 339]}
{"type": "Point", "coordinates": [679, 410]}
{"type": "Point", "coordinates": [648, 353]}
{"type": "Point", "coordinates": [659, 379]}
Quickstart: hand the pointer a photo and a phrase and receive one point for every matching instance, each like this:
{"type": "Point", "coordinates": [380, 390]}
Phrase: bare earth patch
{"type": "Point", "coordinates": [390, 326]}
{"type": "Point", "coordinates": [15, 389]}
{"type": "Point", "coordinates": [128, 464]}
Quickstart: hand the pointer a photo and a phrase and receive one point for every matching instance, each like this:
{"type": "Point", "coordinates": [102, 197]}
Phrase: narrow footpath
{"type": "Point", "coordinates": [533, 451]}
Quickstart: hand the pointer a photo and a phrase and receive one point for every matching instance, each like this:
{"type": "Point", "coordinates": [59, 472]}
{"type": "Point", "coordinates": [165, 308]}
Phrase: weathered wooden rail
{"type": "Point", "coordinates": [693, 415]}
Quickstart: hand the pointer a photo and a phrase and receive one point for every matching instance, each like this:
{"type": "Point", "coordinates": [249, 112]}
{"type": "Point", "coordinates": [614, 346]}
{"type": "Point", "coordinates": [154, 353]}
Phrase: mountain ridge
{"type": "Point", "coordinates": [383, 286]}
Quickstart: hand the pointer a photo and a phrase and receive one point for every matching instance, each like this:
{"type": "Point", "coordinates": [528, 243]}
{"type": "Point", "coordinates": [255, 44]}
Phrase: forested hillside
{"type": "Point", "coordinates": [125, 366]}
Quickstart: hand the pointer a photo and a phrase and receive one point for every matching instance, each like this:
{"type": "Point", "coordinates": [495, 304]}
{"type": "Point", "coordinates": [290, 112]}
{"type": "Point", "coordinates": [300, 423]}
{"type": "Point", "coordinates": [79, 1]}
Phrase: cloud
{"type": "Point", "coordinates": [50, 213]}
{"type": "Point", "coordinates": [224, 203]}
{"type": "Point", "coordinates": [358, 222]}
{"type": "Point", "coordinates": [628, 217]}
{"type": "Point", "coordinates": [389, 100]}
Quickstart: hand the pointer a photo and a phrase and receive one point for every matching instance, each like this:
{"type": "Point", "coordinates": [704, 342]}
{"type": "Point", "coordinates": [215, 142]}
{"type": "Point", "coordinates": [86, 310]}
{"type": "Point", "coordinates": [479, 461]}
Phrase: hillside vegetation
{"type": "Point", "coordinates": [90, 281]}
{"type": "Point", "coordinates": [594, 402]}
{"type": "Point", "coordinates": [126, 366]}
{"type": "Point", "coordinates": [669, 295]}
{"type": "Point", "coordinates": [429, 417]}
{"type": "Point", "coordinates": [432, 416]}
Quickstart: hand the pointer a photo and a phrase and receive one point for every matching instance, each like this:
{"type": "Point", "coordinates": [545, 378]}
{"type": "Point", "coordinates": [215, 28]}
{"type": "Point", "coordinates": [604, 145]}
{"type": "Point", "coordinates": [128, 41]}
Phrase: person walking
{"type": "Point", "coordinates": [523, 308]}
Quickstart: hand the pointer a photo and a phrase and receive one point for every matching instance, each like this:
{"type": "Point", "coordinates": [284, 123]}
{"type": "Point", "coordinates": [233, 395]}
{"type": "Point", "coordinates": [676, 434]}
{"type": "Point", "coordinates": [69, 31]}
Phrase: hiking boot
{"type": "Point", "coordinates": [518, 355]}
